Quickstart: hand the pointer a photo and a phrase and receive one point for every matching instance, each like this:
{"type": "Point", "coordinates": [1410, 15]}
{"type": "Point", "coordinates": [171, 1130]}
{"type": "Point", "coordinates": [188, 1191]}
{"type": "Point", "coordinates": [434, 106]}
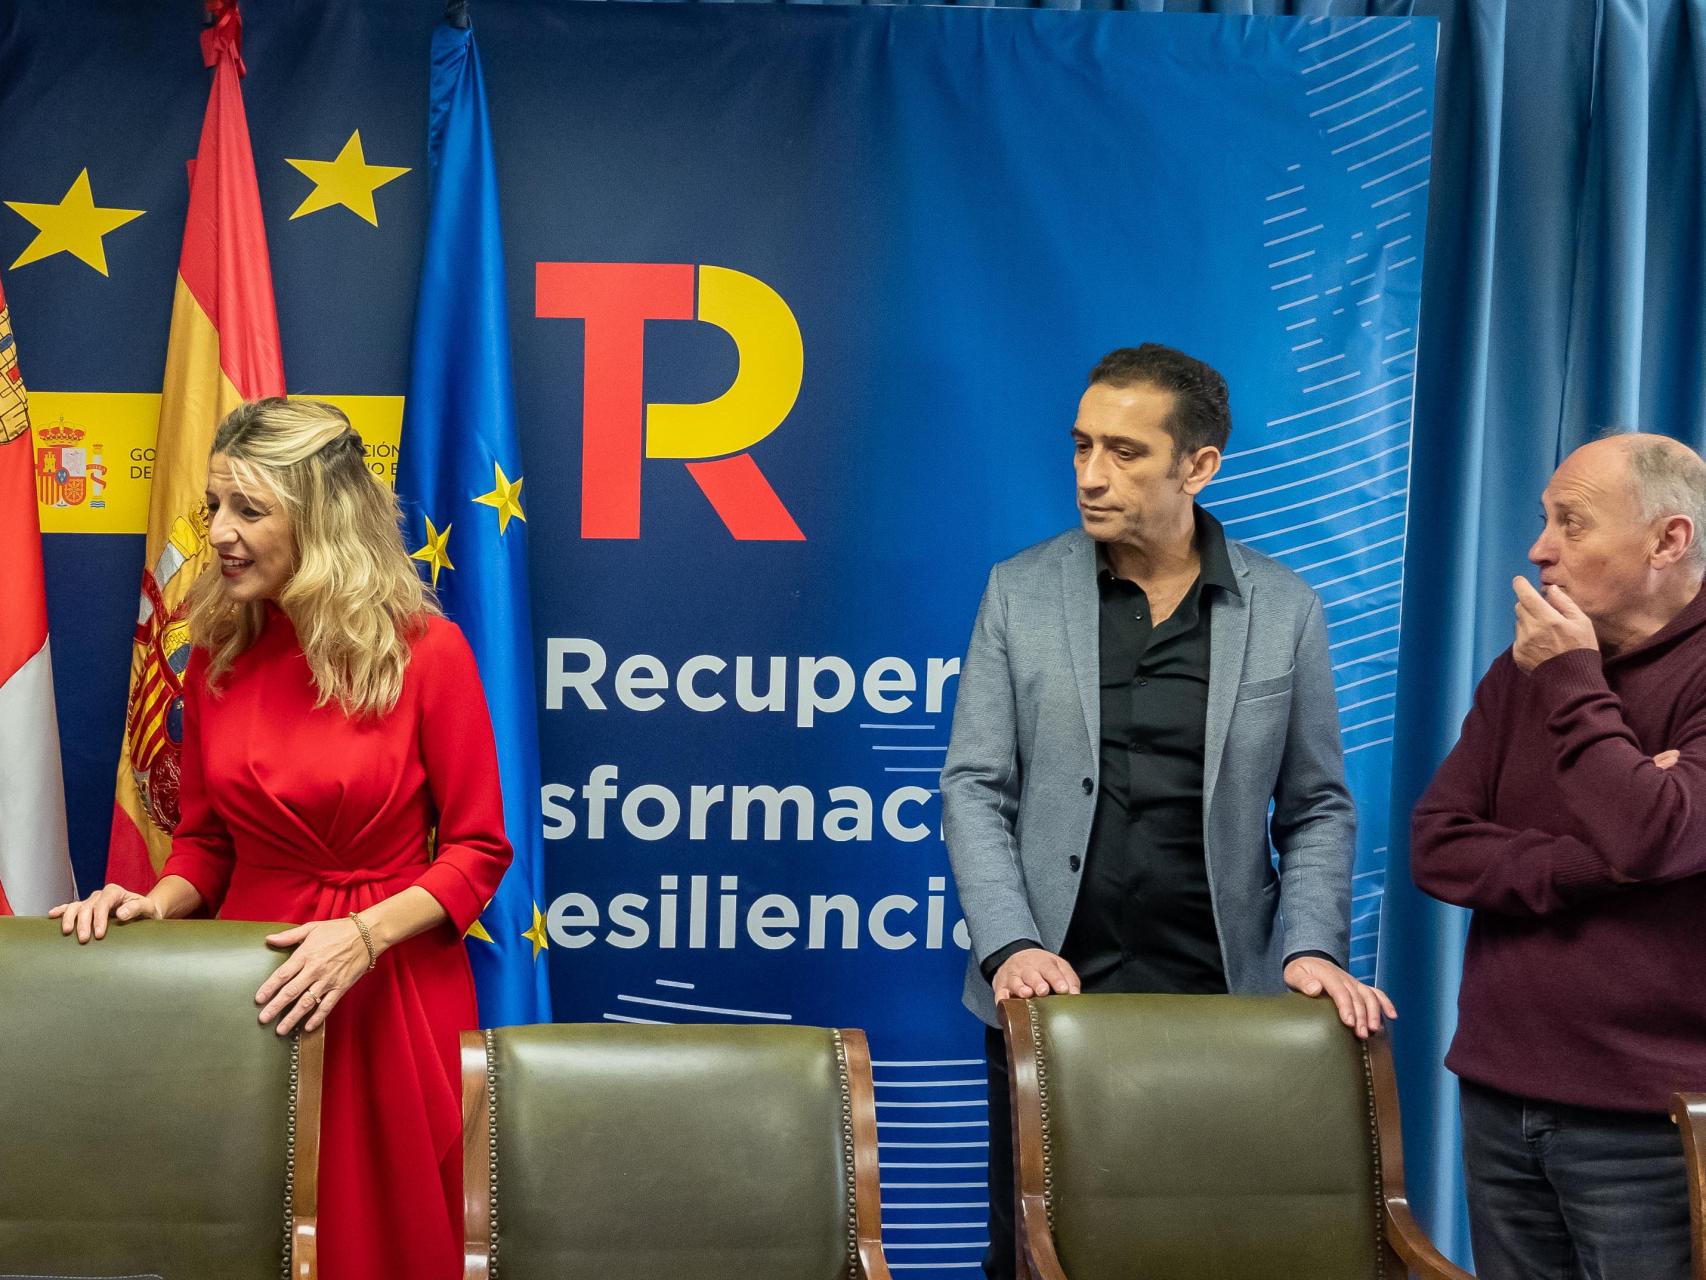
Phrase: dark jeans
{"type": "Point", "coordinates": [1558, 1192]}
{"type": "Point", "coordinates": [998, 1260]}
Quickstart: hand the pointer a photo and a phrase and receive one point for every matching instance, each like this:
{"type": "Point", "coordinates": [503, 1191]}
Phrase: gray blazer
{"type": "Point", "coordinates": [1019, 787]}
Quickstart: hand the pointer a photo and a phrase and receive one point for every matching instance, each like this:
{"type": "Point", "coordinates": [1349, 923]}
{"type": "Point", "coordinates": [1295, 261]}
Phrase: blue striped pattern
{"type": "Point", "coordinates": [1323, 483]}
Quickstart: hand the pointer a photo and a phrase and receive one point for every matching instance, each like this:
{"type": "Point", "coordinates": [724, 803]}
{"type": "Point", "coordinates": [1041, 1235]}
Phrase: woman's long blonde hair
{"type": "Point", "coordinates": [353, 595]}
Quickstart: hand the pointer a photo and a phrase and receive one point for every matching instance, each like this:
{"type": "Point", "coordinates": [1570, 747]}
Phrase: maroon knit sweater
{"type": "Point", "coordinates": [1585, 976]}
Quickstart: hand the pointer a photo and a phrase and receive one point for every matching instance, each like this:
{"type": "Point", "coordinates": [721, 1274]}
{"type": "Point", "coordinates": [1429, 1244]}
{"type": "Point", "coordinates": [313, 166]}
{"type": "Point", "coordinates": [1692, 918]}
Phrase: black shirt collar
{"type": "Point", "coordinates": [1216, 570]}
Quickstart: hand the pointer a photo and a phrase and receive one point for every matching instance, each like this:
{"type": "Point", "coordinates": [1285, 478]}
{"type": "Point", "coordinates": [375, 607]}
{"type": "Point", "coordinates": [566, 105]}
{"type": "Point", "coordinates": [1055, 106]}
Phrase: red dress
{"type": "Point", "coordinates": [297, 813]}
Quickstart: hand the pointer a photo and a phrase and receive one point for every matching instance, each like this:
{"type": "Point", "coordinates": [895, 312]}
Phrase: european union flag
{"type": "Point", "coordinates": [460, 473]}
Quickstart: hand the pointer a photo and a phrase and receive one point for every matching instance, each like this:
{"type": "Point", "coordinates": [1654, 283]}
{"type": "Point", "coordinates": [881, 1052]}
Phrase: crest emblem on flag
{"type": "Point", "coordinates": [154, 719]}
{"type": "Point", "coordinates": [67, 472]}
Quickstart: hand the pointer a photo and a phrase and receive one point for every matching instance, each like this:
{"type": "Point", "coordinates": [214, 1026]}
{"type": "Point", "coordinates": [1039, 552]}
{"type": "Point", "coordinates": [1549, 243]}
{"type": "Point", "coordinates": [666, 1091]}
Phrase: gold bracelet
{"type": "Point", "coordinates": [367, 940]}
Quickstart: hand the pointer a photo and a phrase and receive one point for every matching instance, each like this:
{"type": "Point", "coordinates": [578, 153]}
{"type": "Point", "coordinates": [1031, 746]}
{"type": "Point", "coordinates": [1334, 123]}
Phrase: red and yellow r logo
{"type": "Point", "coordinates": [615, 299]}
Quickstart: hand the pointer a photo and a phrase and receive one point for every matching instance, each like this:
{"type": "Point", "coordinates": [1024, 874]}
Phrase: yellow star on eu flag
{"type": "Point", "coordinates": [505, 497]}
{"type": "Point", "coordinates": [478, 930]}
{"type": "Point", "coordinates": [349, 180]}
{"type": "Point", "coordinates": [437, 550]}
{"type": "Point", "coordinates": [536, 935]}
{"type": "Point", "coordinates": [75, 225]}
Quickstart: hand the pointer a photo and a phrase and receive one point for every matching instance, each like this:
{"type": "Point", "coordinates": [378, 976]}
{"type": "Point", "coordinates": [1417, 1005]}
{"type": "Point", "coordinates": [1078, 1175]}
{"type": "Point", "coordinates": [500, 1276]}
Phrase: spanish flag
{"type": "Point", "coordinates": [223, 349]}
{"type": "Point", "coordinates": [35, 867]}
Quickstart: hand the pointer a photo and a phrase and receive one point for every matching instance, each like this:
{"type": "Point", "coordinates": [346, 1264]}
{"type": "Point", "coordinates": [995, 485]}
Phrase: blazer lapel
{"type": "Point", "coordinates": [1228, 637]}
{"type": "Point", "coordinates": [1079, 603]}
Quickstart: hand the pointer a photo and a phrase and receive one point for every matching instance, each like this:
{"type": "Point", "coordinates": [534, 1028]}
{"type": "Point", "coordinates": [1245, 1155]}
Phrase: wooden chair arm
{"type": "Point", "coordinates": [304, 1250]}
{"type": "Point", "coordinates": [1406, 1236]}
{"type": "Point", "coordinates": [1034, 1241]}
{"type": "Point", "coordinates": [872, 1265]}
{"type": "Point", "coordinates": [1039, 1240]}
{"type": "Point", "coordinates": [867, 1194]}
{"type": "Point", "coordinates": [1688, 1112]}
{"type": "Point", "coordinates": [305, 1185]}
{"type": "Point", "coordinates": [476, 1160]}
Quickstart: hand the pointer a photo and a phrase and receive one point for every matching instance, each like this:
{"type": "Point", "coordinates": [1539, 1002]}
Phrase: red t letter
{"type": "Point", "coordinates": [615, 299]}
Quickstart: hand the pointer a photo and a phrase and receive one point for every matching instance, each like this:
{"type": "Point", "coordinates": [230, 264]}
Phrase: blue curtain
{"type": "Point", "coordinates": [1565, 293]}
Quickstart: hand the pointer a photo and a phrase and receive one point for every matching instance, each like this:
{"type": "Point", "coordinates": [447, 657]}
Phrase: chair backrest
{"type": "Point", "coordinates": [1181, 1137]}
{"type": "Point", "coordinates": [148, 1123]}
{"type": "Point", "coordinates": [623, 1152]}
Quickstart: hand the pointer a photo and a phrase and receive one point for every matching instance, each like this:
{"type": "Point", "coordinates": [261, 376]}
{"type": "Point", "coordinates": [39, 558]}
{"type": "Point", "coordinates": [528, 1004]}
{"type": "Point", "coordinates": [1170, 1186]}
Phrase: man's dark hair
{"type": "Point", "coordinates": [1201, 415]}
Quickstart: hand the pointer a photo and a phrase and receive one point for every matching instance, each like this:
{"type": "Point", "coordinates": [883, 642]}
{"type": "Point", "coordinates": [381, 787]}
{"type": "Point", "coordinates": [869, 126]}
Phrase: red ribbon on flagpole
{"type": "Point", "coordinates": [224, 34]}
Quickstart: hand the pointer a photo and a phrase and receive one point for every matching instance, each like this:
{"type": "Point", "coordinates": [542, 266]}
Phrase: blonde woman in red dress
{"type": "Point", "coordinates": [338, 770]}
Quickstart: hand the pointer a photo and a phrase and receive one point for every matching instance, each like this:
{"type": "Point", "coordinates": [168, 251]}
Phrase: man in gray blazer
{"type": "Point", "coordinates": [1135, 695]}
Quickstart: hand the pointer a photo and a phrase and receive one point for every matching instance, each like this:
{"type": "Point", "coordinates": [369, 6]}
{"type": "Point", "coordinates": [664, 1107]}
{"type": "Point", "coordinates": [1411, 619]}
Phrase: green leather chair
{"type": "Point", "coordinates": [617, 1152]}
{"type": "Point", "coordinates": [1199, 1137]}
{"type": "Point", "coordinates": [149, 1125]}
{"type": "Point", "coordinates": [1688, 1110]}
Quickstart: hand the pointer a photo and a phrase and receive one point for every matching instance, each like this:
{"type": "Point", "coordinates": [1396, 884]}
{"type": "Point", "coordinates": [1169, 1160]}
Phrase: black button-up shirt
{"type": "Point", "coordinates": [1144, 920]}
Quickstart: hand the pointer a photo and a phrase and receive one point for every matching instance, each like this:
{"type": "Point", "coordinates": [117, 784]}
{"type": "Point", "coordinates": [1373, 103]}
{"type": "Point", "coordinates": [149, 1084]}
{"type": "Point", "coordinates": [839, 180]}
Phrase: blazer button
{"type": "Point", "coordinates": [1089, 786]}
{"type": "Point", "coordinates": [1074, 862]}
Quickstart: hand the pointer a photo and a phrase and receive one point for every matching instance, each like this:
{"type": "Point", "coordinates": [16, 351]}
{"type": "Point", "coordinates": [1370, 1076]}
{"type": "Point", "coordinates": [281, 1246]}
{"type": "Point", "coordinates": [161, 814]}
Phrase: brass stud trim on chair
{"type": "Point", "coordinates": [1374, 1146]}
{"type": "Point", "coordinates": [290, 1152]}
{"type": "Point", "coordinates": [1042, 1101]}
{"type": "Point", "coordinates": [492, 1151]}
{"type": "Point", "coordinates": [847, 1157]}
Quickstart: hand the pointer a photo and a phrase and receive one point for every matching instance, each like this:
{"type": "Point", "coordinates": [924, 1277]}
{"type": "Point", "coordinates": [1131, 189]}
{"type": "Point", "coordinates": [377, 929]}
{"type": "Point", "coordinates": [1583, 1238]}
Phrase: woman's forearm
{"type": "Point", "coordinates": [402, 916]}
{"type": "Point", "coordinates": [176, 897]}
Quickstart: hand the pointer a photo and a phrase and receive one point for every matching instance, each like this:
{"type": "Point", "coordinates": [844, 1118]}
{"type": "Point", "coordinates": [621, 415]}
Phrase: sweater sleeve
{"type": "Point", "coordinates": [472, 851]}
{"type": "Point", "coordinates": [1648, 823]}
{"type": "Point", "coordinates": [1458, 854]}
{"type": "Point", "coordinates": [202, 849]}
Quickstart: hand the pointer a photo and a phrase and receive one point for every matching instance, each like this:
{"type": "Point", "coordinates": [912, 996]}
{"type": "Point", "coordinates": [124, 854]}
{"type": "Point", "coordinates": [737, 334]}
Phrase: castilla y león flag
{"type": "Point", "coordinates": [223, 349]}
{"type": "Point", "coordinates": [35, 867]}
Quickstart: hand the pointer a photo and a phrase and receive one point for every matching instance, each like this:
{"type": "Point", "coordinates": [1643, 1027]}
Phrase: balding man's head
{"type": "Point", "coordinates": [1625, 533]}
{"type": "Point", "coordinates": [1667, 478]}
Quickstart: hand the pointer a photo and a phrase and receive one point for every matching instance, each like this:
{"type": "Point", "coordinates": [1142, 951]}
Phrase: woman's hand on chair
{"type": "Point", "coordinates": [328, 958]}
{"type": "Point", "coordinates": [88, 917]}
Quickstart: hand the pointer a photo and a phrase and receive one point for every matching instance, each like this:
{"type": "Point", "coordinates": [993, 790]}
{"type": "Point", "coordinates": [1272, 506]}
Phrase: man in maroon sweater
{"type": "Point", "coordinates": [1571, 817]}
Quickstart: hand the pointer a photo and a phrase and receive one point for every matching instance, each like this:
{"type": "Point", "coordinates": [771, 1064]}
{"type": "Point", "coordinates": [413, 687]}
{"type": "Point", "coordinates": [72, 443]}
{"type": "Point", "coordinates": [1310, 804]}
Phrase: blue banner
{"type": "Point", "coordinates": [801, 301]}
